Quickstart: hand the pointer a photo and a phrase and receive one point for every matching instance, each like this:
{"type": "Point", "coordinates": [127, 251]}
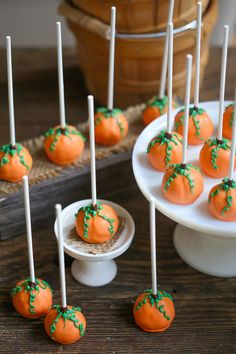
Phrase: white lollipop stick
{"type": "Point", "coordinates": [222, 81]}
{"type": "Point", "coordinates": [165, 54]}
{"type": "Point", "coordinates": [198, 54]}
{"type": "Point", "coordinates": [60, 77]}
{"type": "Point", "coordinates": [28, 228]}
{"type": "Point", "coordinates": [152, 214]}
{"type": "Point", "coordinates": [186, 111]}
{"type": "Point", "coordinates": [61, 255]}
{"type": "Point", "coordinates": [170, 74]}
{"type": "Point", "coordinates": [110, 93]}
{"type": "Point", "coordinates": [92, 149]}
{"type": "Point", "coordinates": [10, 93]}
{"type": "Point", "coordinates": [233, 146]}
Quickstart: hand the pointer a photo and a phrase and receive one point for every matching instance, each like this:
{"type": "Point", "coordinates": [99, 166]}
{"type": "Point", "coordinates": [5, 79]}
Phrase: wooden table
{"type": "Point", "coordinates": [205, 306]}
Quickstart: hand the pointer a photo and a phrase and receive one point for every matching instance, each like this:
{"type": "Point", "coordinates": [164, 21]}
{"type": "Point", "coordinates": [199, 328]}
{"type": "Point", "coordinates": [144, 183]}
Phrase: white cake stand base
{"type": "Point", "coordinates": [210, 254]}
{"type": "Point", "coordinates": [94, 273]}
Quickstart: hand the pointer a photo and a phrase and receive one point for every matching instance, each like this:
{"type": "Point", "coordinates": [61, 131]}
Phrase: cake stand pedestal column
{"type": "Point", "coordinates": [208, 253]}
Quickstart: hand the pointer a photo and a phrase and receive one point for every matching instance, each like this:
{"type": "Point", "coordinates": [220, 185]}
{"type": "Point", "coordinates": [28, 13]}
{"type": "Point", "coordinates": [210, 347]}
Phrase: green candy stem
{"type": "Point", "coordinates": [226, 185]}
{"type": "Point", "coordinates": [67, 131]}
{"type": "Point", "coordinates": [67, 315]}
{"type": "Point", "coordinates": [29, 287]}
{"type": "Point", "coordinates": [110, 113]}
{"type": "Point", "coordinates": [10, 150]}
{"type": "Point", "coordinates": [164, 139]}
{"type": "Point", "coordinates": [179, 169]}
{"type": "Point", "coordinates": [89, 212]}
{"type": "Point", "coordinates": [194, 113]}
{"type": "Point", "coordinates": [154, 301]}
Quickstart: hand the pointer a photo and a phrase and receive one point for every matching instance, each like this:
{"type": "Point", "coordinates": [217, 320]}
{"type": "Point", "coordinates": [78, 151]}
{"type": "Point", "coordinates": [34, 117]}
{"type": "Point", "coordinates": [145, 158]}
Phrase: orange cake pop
{"type": "Point", "coordinates": [228, 121]}
{"type": "Point", "coordinates": [63, 145]}
{"type": "Point", "coordinates": [96, 224]}
{"type": "Point", "coordinates": [111, 126]}
{"type": "Point", "coordinates": [32, 299]}
{"type": "Point", "coordinates": [64, 324]}
{"type": "Point", "coordinates": [155, 108]}
{"type": "Point", "coordinates": [15, 159]}
{"type": "Point", "coordinates": [153, 310]}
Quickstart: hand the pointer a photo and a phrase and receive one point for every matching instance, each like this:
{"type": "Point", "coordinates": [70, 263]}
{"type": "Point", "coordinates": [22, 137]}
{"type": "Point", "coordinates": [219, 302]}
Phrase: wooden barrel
{"type": "Point", "coordinates": [141, 16]}
{"type": "Point", "coordinates": [138, 61]}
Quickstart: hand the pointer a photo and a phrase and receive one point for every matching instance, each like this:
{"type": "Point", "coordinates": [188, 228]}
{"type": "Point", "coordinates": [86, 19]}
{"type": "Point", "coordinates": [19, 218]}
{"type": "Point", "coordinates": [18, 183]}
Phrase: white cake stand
{"type": "Point", "coordinates": [203, 242]}
{"type": "Point", "coordinates": [95, 269]}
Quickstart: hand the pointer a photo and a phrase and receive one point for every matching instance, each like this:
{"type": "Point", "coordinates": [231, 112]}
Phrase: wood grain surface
{"type": "Point", "coordinates": [205, 320]}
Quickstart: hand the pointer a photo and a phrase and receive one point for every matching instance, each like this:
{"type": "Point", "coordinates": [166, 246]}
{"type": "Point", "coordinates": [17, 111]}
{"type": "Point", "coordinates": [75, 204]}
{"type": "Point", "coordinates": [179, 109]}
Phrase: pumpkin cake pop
{"type": "Point", "coordinates": [31, 297]}
{"type": "Point", "coordinates": [153, 310]}
{"type": "Point", "coordinates": [63, 144]}
{"type": "Point", "coordinates": [158, 104]}
{"type": "Point", "coordinates": [222, 197]}
{"type": "Point", "coordinates": [64, 324]}
{"type": "Point", "coordinates": [166, 148]}
{"type": "Point", "coordinates": [228, 121]}
{"type": "Point", "coordinates": [182, 183]}
{"type": "Point", "coordinates": [200, 124]}
{"type": "Point", "coordinates": [96, 222]}
{"type": "Point", "coordinates": [214, 156]}
{"type": "Point", "coordinates": [15, 159]}
{"type": "Point", "coordinates": [111, 125]}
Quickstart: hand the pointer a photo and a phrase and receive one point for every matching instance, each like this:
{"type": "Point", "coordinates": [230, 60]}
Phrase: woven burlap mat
{"type": "Point", "coordinates": [43, 169]}
{"type": "Point", "coordinates": [73, 240]}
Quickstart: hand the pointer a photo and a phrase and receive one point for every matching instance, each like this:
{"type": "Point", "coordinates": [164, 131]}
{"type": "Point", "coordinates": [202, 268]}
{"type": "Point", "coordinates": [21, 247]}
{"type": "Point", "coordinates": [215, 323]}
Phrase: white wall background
{"type": "Point", "coordinates": [31, 23]}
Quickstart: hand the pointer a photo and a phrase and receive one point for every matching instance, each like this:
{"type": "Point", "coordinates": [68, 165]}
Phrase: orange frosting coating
{"type": "Point", "coordinates": [15, 162]}
{"type": "Point", "coordinates": [110, 126]}
{"type": "Point", "coordinates": [222, 200]}
{"type": "Point", "coordinates": [96, 225]}
{"type": "Point", "coordinates": [214, 157]}
{"type": "Point", "coordinates": [65, 327]}
{"type": "Point", "coordinates": [182, 184]}
{"type": "Point", "coordinates": [63, 145]}
{"type": "Point", "coordinates": [154, 314]}
{"type": "Point", "coordinates": [228, 121]}
{"type": "Point", "coordinates": [155, 108]}
{"type": "Point", "coordinates": [200, 125]}
{"type": "Point", "coordinates": [164, 150]}
{"type": "Point", "coordinates": [32, 301]}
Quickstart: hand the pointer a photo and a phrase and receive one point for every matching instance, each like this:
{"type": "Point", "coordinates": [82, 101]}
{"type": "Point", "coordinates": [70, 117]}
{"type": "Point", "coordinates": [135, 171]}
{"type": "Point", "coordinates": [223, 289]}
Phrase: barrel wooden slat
{"type": "Point", "coordinates": [141, 16]}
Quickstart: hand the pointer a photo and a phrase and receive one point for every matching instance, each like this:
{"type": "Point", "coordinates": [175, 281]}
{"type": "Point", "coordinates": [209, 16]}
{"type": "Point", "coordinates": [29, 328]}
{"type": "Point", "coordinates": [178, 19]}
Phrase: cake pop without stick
{"type": "Point", "coordinates": [200, 124]}
{"type": "Point", "coordinates": [63, 144]}
{"type": "Point", "coordinates": [228, 121]}
{"type": "Point", "coordinates": [31, 297]}
{"type": "Point", "coordinates": [96, 222]}
{"type": "Point", "coordinates": [222, 197]}
{"type": "Point", "coordinates": [214, 156]}
{"type": "Point", "coordinates": [64, 324]}
{"type": "Point", "coordinates": [157, 105]}
{"type": "Point", "coordinates": [166, 147]}
{"type": "Point", "coordinates": [182, 183]}
{"type": "Point", "coordinates": [15, 159]}
{"type": "Point", "coordinates": [154, 309]}
{"type": "Point", "coordinates": [111, 125]}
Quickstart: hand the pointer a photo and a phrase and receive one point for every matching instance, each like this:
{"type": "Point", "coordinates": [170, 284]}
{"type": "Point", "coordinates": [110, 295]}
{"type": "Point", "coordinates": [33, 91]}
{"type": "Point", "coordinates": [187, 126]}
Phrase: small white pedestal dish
{"type": "Point", "coordinates": [203, 242]}
{"type": "Point", "coordinates": [95, 269]}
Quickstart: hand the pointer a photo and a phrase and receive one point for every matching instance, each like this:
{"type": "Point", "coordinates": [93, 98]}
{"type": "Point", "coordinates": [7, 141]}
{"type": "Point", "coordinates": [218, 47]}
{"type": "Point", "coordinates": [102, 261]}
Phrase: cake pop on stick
{"type": "Point", "coordinates": [222, 197]}
{"type": "Point", "coordinates": [166, 147]}
{"type": "Point", "coordinates": [15, 159]}
{"type": "Point", "coordinates": [31, 297]}
{"type": "Point", "coordinates": [157, 105]}
{"type": "Point", "coordinates": [111, 125]}
{"type": "Point", "coordinates": [215, 154]}
{"type": "Point", "coordinates": [154, 309]}
{"type": "Point", "coordinates": [182, 183]}
{"type": "Point", "coordinates": [64, 324]}
{"type": "Point", "coordinates": [63, 144]}
{"type": "Point", "coordinates": [228, 121]}
{"type": "Point", "coordinates": [200, 124]}
{"type": "Point", "coordinates": [96, 222]}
